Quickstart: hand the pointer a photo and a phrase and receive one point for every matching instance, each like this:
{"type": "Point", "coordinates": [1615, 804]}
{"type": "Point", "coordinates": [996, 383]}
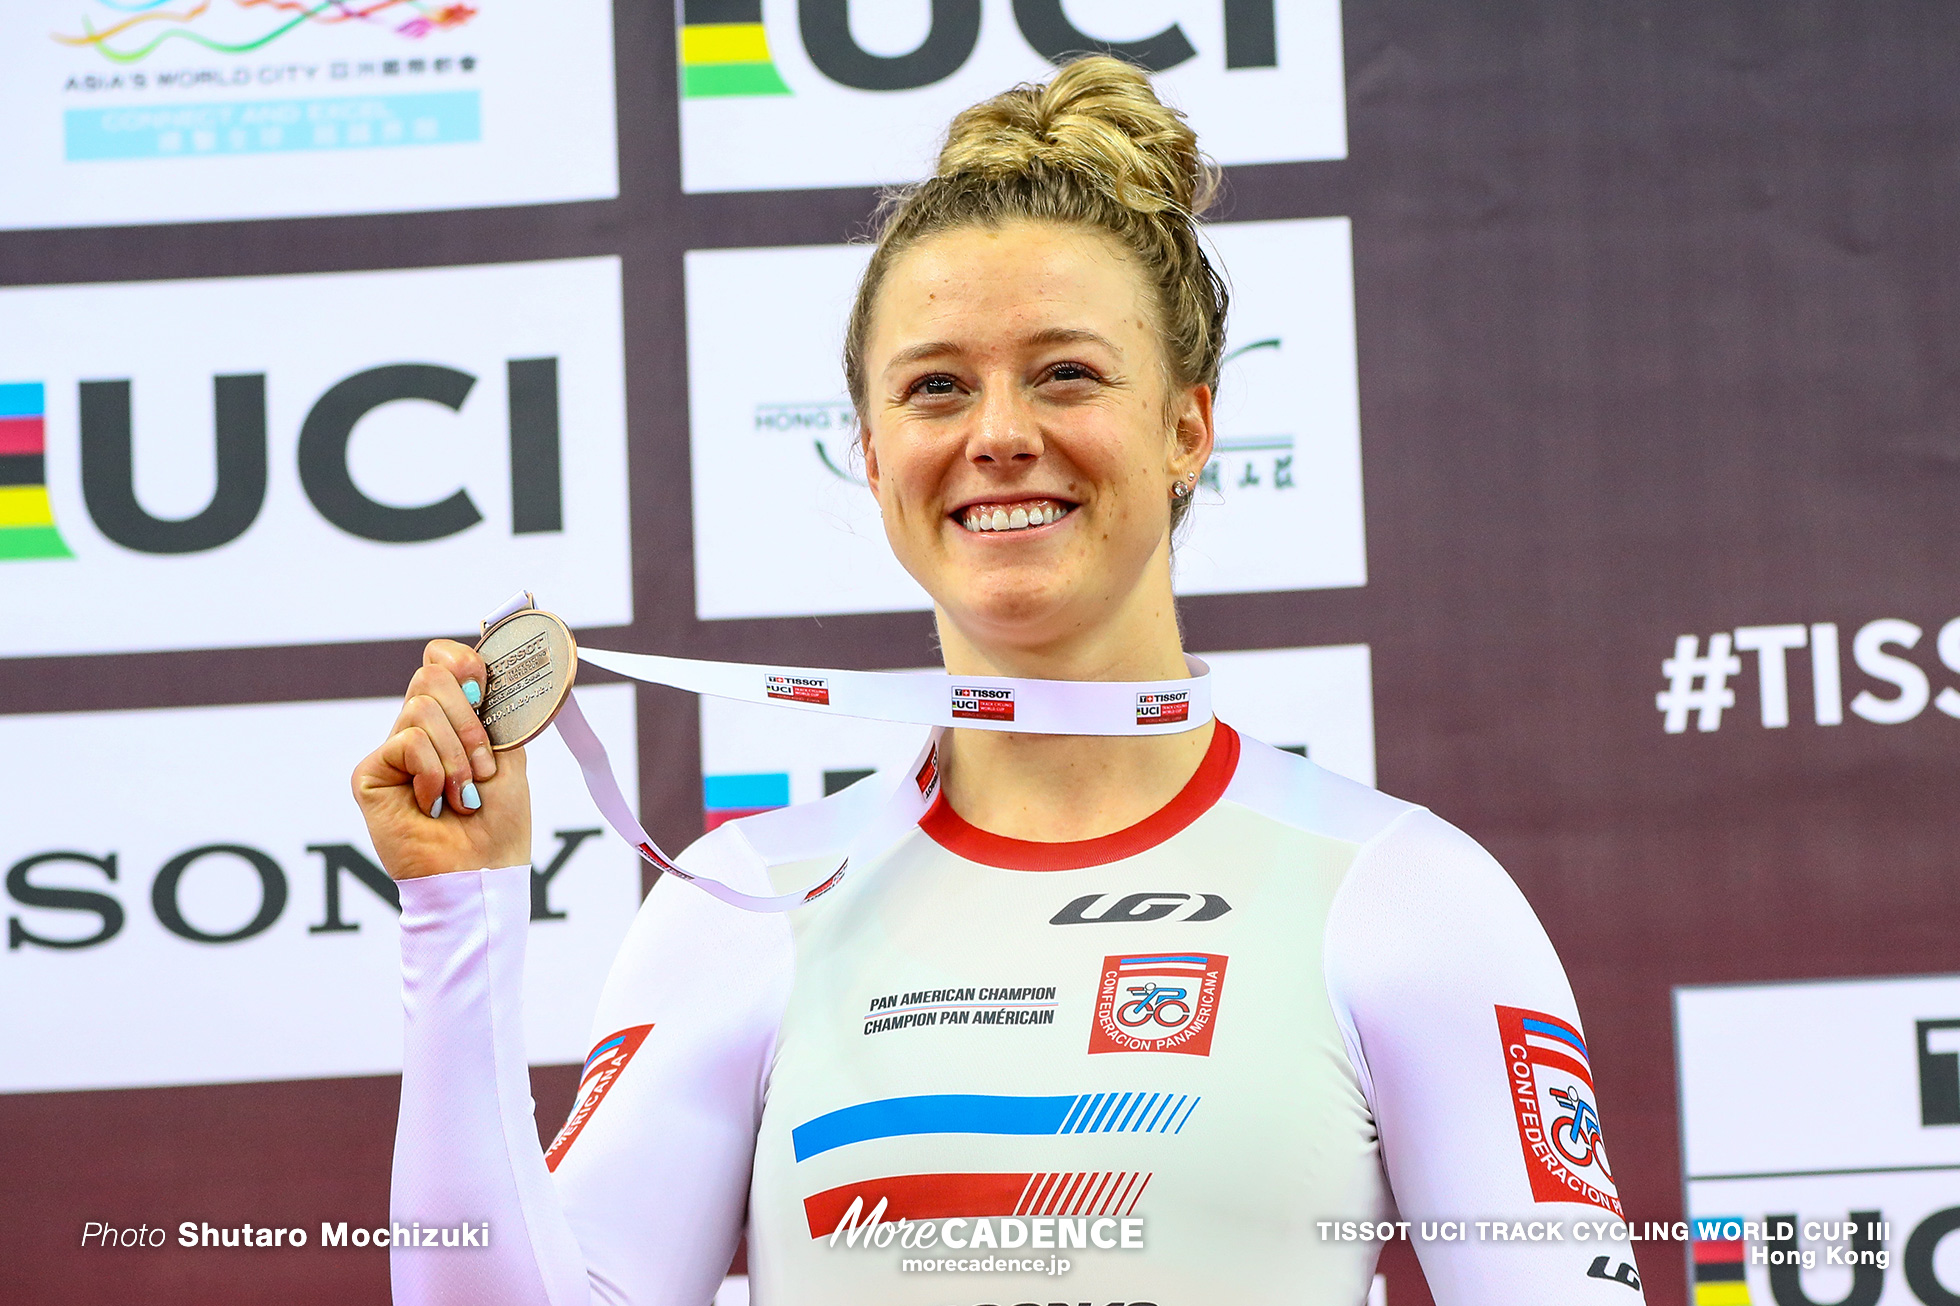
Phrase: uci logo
{"type": "Point", "coordinates": [108, 478]}
{"type": "Point", "coordinates": [725, 48]}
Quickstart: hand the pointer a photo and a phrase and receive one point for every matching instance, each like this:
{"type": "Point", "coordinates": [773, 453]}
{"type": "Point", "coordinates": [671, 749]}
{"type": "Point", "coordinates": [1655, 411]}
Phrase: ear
{"type": "Point", "coordinates": [870, 452]}
{"type": "Point", "coordinates": [1192, 433]}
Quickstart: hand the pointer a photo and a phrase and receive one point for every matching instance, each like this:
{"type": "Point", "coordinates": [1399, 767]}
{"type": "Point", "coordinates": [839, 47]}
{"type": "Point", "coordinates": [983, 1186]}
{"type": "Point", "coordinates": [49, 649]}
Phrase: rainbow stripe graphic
{"type": "Point", "coordinates": [725, 51]}
{"type": "Point", "coordinates": [27, 528]}
{"type": "Point", "coordinates": [1719, 1276]}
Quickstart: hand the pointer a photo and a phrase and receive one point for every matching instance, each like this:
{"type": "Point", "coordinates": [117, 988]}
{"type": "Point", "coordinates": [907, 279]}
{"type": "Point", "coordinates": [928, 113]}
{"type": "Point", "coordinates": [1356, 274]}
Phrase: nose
{"type": "Point", "coordinates": [1005, 433]}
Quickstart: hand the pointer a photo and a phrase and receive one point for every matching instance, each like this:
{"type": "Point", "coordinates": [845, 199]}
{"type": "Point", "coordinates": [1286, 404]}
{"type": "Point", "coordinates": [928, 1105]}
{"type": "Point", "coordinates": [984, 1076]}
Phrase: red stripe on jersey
{"type": "Point", "coordinates": [916, 1197]}
{"type": "Point", "coordinates": [950, 830]}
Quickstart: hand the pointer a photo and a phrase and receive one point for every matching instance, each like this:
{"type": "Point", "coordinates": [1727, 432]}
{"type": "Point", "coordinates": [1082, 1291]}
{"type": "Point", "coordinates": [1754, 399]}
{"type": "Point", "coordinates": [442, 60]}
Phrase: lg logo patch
{"type": "Point", "coordinates": [1140, 908]}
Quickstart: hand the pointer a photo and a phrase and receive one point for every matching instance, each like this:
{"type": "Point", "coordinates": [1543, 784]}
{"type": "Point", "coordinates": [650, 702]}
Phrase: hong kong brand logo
{"type": "Point", "coordinates": [1158, 1002]}
{"type": "Point", "coordinates": [1164, 707]}
{"type": "Point", "coordinates": [983, 704]}
{"type": "Point", "coordinates": [800, 689]}
{"type": "Point", "coordinates": [1550, 1076]}
{"type": "Point", "coordinates": [602, 1070]}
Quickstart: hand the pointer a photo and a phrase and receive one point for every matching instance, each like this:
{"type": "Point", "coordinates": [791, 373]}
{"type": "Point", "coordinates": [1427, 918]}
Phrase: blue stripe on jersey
{"type": "Point", "coordinates": [1559, 1032]}
{"type": "Point", "coordinates": [945, 1113]}
{"type": "Point", "coordinates": [972, 1113]}
{"type": "Point", "coordinates": [1138, 961]}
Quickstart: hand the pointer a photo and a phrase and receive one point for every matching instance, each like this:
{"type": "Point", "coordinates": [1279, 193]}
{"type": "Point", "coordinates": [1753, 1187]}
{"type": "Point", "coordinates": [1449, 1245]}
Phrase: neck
{"type": "Point", "coordinates": [1052, 788]}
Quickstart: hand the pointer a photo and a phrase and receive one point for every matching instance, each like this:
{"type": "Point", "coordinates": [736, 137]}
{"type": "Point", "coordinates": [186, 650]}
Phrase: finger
{"type": "Point", "coordinates": [460, 661]}
{"type": "Point", "coordinates": [409, 755]}
{"type": "Point", "coordinates": [438, 683]}
{"type": "Point", "coordinates": [424, 713]}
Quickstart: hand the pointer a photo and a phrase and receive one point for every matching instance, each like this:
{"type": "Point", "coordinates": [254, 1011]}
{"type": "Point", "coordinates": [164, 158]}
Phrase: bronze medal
{"type": "Point", "coordinates": [530, 661]}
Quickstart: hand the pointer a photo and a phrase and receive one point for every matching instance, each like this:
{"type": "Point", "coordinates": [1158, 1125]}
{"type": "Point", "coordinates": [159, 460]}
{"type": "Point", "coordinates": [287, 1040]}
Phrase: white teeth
{"type": "Point", "coordinates": [1019, 517]}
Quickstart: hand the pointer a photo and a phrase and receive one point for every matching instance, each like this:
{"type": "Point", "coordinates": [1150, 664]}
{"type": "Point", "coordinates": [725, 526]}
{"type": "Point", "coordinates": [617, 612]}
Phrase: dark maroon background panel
{"type": "Point", "coordinates": [278, 1155]}
{"type": "Point", "coordinates": [1658, 334]}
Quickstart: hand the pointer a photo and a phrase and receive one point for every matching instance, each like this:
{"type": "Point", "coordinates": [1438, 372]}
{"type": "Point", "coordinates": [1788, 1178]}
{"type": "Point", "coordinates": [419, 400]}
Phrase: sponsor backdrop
{"type": "Point", "coordinates": [1586, 473]}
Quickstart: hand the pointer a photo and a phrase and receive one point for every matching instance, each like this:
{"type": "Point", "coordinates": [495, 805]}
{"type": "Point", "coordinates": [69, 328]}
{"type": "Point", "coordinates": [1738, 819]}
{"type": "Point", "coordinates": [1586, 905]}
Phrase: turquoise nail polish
{"type": "Point", "coordinates": [470, 800]}
{"type": "Point", "coordinates": [471, 693]}
{"type": "Point", "coordinates": [435, 808]}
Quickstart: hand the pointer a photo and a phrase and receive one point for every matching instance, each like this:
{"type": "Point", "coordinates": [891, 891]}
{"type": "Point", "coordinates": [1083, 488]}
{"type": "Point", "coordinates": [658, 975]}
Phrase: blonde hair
{"type": "Point", "coordinates": [1093, 147]}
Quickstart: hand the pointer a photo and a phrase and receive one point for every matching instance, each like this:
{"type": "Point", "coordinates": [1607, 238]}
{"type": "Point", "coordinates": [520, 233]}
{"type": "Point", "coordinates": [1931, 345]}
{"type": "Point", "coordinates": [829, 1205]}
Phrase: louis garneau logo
{"type": "Point", "coordinates": [1139, 908]}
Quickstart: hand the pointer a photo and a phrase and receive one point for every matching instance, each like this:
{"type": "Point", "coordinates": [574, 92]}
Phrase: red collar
{"type": "Point", "coordinates": [950, 830]}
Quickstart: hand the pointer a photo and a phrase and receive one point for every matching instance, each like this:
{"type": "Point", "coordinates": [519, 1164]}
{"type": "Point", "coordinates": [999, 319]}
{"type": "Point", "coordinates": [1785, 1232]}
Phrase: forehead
{"type": "Point", "coordinates": [980, 283]}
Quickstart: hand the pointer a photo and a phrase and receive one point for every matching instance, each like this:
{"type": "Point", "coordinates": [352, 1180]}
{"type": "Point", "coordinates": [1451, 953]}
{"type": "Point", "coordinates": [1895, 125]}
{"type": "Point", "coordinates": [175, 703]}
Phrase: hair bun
{"type": "Point", "coordinates": [1098, 118]}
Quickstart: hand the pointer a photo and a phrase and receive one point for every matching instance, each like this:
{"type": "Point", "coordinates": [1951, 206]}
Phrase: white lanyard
{"type": "Point", "coordinates": [930, 698]}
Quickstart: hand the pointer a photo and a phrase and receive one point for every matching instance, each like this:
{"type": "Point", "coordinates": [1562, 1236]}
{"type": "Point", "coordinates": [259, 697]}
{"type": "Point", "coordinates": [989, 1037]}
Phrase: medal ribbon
{"type": "Point", "coordinates": [928, 698]}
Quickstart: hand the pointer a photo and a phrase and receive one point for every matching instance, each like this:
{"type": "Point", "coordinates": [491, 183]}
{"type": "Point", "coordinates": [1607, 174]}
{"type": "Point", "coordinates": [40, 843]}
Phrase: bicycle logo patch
{"type": "Point", "coordinates": [1550, 1076]}
{"type": "Point", "coordinates": [1158, 1002]}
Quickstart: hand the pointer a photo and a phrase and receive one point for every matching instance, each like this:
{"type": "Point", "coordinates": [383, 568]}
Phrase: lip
{"type": "Point", "coordinates": [1009, 500]}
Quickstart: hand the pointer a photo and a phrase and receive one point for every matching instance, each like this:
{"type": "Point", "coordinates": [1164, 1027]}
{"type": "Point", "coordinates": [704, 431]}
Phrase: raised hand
{"type": "Point", "coordinates": [435, 798]}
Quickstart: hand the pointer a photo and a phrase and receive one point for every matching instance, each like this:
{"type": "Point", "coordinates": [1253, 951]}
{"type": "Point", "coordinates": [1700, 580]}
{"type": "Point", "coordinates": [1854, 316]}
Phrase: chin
{"type": "Point", "coordinates": [1018, 614]}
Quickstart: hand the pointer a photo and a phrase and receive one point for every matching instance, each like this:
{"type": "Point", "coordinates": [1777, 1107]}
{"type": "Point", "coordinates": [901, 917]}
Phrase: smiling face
{"type": "Point", "coordinates": [1022, 434]}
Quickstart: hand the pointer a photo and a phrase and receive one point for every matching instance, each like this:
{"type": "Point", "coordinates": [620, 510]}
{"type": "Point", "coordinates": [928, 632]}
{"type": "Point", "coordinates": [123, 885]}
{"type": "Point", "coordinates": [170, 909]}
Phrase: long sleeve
{"type": "Point", "coordinates": [466, 1150]}
{"type": "Point", "coordinates": [1463, 1027]}
{"type": "Point", "coordinates": [643, 1197]}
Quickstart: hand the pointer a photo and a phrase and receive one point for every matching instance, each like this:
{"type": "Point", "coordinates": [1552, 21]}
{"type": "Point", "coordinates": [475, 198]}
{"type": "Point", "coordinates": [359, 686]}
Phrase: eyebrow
{"type": "Point", "coordinates": [1046, 336]}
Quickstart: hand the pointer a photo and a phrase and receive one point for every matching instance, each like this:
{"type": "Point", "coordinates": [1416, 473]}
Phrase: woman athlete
{"type": "Point", "coordinates": [1188, 982]}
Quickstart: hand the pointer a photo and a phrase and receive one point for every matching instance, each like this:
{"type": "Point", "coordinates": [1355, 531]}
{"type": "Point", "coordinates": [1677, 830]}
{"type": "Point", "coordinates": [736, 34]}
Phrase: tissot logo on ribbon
{"type": "Point", "coordinates": [827, 93]}
{"type": "Point", "coordinates": [395, 424]}
{"type": "Point", "coordinates": [983, 704]}
{"type": "Point", "coordinates": [1550, 1075]}
{"type": "Point", "coordinates": [800, 689]}
{"type": "Point", "coordinates": [1158, 1002]}
{"type": "Point", "coordinates": [1164, 708]}
{"type": "Point", "coordinates": [603, 1067]}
